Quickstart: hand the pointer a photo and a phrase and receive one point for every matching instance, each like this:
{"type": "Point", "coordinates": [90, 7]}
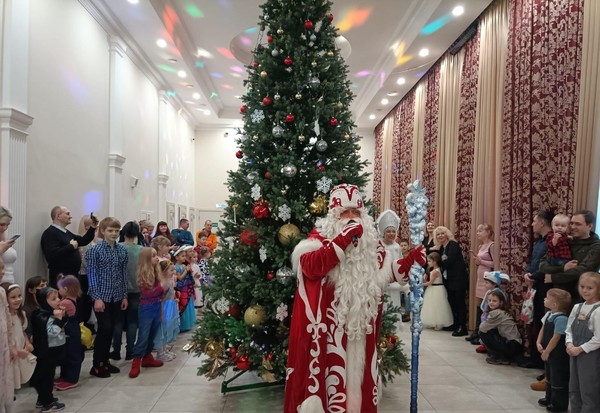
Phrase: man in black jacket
{"type": "Point", "coordinates": [60, 246]}
{"type": "Point", "coordinates": [585, 252]}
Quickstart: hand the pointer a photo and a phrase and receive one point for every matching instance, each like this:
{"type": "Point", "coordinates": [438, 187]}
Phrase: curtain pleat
{"type": "Point", "coordinates": [430, 137]}
{"type": "Point", "coordinates": [377, 166]}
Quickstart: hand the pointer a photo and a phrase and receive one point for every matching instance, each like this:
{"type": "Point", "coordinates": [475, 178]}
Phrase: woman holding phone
{"type": "Point", "coordinates": [8, 253]}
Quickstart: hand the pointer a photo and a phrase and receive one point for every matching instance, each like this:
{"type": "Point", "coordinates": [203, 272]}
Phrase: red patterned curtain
{"type": "Point", "coordinates": [377, 167]}
{"type": "Point", "coordinates": [540, 122]}
{"type": "Point", "coordinates": [430, 140]}
{"type": "Point", "coordinates": [402, 158]}
{"type": "Point", "coordinates": [466, 144]}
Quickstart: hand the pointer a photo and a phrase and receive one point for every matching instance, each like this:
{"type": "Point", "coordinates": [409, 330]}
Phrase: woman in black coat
{"type": "Point", "coordinates": [456, 278]}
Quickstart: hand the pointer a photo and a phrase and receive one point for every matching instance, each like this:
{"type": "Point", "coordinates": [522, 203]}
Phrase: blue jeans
{"type": "Point", "coordinates": [130, 322]}
{"type": "Point", "coordinates": [149, 323]}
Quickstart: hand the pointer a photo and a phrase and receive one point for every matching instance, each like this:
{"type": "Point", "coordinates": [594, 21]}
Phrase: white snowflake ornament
{"type": "Point", "coordinates": [262, 253]}
{"type": "Point", "coordinates": [255, 193]}
{"type": "Point", "coordinates": [222, 305]}
{"type": "Point", "coordinates": [324, 184]}
{"type": "Point", "coordinates": [282, 312]}
{"type": "Point", "coordinates": [285, 212]}
{"type": "Point", "coordinates": [257, 116]}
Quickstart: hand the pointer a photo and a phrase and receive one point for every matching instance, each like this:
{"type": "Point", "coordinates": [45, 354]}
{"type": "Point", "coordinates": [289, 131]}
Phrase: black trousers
{"type": "Point", "coordinates": [85, 304]}
{"type": "Point", "coordinates": [557, 374]}
{"type": "Point", "coordinates": [458, 305]}
{"type": "Point", "coordinates": [107, 320]}
{"type": "Point", "coordinates": [499, 347]}
{"type": "Point", "coordinates": [42, 379]}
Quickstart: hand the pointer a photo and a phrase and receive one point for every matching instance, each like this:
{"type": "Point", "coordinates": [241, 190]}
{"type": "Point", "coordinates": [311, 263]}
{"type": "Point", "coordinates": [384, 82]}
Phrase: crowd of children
{"type": "Point", "coordinates": [40, 326]}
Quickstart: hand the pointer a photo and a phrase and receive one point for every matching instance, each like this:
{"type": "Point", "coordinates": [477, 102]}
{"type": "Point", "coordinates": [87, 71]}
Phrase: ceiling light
{"type": "Point", "coordinates": [181, 74]}
{"type": "Point", "coordinates": [204, 53]}
{"type": "Point", "coordinates": [371, 117]}
{"type": "Point", "coordinates": [458, 11]}
{"type": "Point", "coordinates": [133, 1]}
{"type": "Point", "coordinates": [206, 112]}
{"type": "Point", "coordinates": [392, 94]}
{"type": "Point", "coordinates": [196, 95]}
{"type": "Point", "coordinates": [172, 60]}
{"type": "Point", "coordinates": [162, 43]}
{"type": "Point", "coordinates": [384, 101]}
{"type": "Point", "coordinates": [424, 52]}
{"type": "Point", "coordinates": [401, 81]}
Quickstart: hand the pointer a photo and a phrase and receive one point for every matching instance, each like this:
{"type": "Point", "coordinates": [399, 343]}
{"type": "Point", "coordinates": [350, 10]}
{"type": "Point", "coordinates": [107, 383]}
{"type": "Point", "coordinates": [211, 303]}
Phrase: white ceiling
{"type": "Point", "coordinates": [384, 36]}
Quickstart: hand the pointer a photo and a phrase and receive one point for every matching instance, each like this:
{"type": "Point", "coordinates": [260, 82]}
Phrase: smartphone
{"type": "Point", "coordinates": [14, 237]}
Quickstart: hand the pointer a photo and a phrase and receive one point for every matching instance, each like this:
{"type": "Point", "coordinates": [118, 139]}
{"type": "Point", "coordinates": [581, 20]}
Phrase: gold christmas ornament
{"type": "Point", "coordinates": [280, 31]}
{"type": "Point", "coordinates": [214, 369]}
{"type": "Point", "coordinates": [384, 345]}
{"type": "Point", "coordinates": [298, 96]}
{"type": "Point", "coordinates": [268, 377]}
{"type": "Point", "coordinates": [301, 138]}
{"type": "Point", "coordinates": [330, 53]}
{"type": "Point", "coordinates": [318, 206]}
{"type": "Point", "coordinates": [340, 105]}
{"type": "Point", "coordinates": [346, 136]}
{"type": "Point", "coordinates": [214, 349]}
{"type": "Point", "coordinates": [255, 138]}
{"type": "Point", "coordinates": [313, 64]}
{"type": "Point", "coordinates": [266, 363]}
{"type": "Point", "coordinates": [263, 74]}
{"type": "Point", "coordinates": [288, 232]}
{"type": "Point", "coordinates": [254, 315]}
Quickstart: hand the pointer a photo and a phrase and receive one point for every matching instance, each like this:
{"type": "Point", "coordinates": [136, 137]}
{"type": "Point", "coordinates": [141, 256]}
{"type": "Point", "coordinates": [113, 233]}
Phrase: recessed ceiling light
{"type": "Point", "coordinates": [196, 95]}
{"type": "Point", "coordinates": [384, 101]}
{"type": "Point", "coordinates": [424, 52]}
{"type": "Point", "coordinates": [392, 94]}
{"type": "Point", "coordinates": [133, 1]}
{"type": "Point", "coordinates": [458, 11]}
{"type": "Point", "coordinates": [181, 74]}
{"type": "Point", "coordinates": [204, 53]}
{"type": "Point", "coordinates": [371, 117]}
{"type": "Point", "coordinates": [206, 112]}
{"type": "Point", "coordinates": [162, 43]}
{"type": "Point", "coordinates": [189, 86]}
{"type": "Point", "coordinates": [401, 81]}
{"type": "Point", "coordinates": [191, 102]}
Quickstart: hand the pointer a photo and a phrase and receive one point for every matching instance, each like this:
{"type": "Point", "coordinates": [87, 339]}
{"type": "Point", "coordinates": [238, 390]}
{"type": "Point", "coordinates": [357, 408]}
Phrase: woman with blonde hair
{"type": "Point", "coordinates": [456, 278]}
{"type": "Point", "coordinates": [8, 253]}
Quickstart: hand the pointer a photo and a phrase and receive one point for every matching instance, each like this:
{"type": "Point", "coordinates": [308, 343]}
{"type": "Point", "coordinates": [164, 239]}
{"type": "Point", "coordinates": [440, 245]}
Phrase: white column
{"type": "Point", "coordinates": [14, 54]}
{"type": "Point", "coordinates": [14, 127]}
{"type": "Point", "coordinates": [115, 127]}
{"type": "Point", "coordinates": [163, 177]}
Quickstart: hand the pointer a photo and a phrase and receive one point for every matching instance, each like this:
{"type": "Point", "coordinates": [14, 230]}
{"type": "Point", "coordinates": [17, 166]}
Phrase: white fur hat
{"type": "Point", "coordinates": [387, 218]}
{"type": "Point", "coordinates": [345, 196]}
{"type": "Point", "coordinates": [496, 277]}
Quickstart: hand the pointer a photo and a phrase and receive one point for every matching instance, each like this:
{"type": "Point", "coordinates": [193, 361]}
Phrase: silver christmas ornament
{"type": "Point", "coordinates": [278, 131]}
{"type": "Point", "coordinates": [321, 145]}
{"type": "Point", "coordinates": [252, 177]}
{"type": "Point", "coordinates": [284, 275]}
{"type": "Point", "coordinates": [277, 96]}
{"type": "Point", "coordinates": [274, 53]}
{"type": "Point", "coordinates": [289, 170]}
{"type": "Point", "coordinates": [314, 82]}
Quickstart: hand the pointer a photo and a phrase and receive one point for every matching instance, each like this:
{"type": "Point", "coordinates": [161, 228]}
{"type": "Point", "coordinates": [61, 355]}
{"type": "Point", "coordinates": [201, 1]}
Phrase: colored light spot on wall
{"type": "Point", "coordinates": [166, 68]}
{"type": "Point", "coordinates": [225, 52]}
{"type": "Point", "coordinates": [147, 174]}
{"type": "Point", "coordinates": [171, 93]}
{"type": "Point", "coordinates": [193, 11]}
{"type": "Point", "coordinates": [170, 19]}
{"type": "Point", "coordinates": [217, 75]}
{"type": "Point", "coordinates": [199, 63]}
{"type": "Point", "coordinates": [226, 4]}
{"type": "Point", "coordinates": [398, 49]}
{"type": "Point", "coordinates": [226, 86]}
{"type": "Point", "coordinates": [363, 73]}
{"type": "Point", "coordinates": [421, 74]}
{"type": "Point", "coordinates": [435, 25]}
{"type": "Point", "coordinates": [214, 95]}
{"type": "Point", "coordinates": [245, 41]}
{"type": "Point", "coordinates": [381, 79]}
{"type": "Point", "coordinates": [92, 201]}
{"type": "Point", "coordinates": [237, 69]}
{"type": "Point", "coordinates": [251, 30]}
{"type": "Point", "coordinates": [354, 18]}
{"type": "Point", "coordinates": [76, 86]}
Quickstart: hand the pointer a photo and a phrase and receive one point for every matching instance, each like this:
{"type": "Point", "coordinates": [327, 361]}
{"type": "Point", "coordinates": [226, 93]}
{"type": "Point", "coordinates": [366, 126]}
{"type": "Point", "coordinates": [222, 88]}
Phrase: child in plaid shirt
{"type": "Point", "coordinates": [559, 252]}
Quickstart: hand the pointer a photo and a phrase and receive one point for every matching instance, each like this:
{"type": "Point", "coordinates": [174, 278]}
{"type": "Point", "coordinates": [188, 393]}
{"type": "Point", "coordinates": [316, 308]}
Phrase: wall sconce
{"type": "Point", "coordinates": [133, 181]}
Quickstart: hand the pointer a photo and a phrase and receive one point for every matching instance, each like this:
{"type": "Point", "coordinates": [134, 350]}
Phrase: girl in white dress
{"type": "Point", "coordinates": [436, 312]}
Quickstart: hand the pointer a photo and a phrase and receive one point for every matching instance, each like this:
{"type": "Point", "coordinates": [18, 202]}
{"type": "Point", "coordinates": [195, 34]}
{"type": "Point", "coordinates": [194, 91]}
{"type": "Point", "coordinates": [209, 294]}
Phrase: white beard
{"type": "Point", "coordinates": [357, 280]}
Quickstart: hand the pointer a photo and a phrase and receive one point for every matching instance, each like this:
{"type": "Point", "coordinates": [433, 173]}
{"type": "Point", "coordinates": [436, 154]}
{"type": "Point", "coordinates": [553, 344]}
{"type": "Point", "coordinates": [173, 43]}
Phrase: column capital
{"type": "Point", "coordinates": [14, 119]}
{"type": "Point", "coordinates": [162, 96]}
{"type": "Point", "coordinates": [116, 161]}
{"type": "Point", "coordinates": [115, 44]}
{"type": "Point", "coordinates": [163, 179]}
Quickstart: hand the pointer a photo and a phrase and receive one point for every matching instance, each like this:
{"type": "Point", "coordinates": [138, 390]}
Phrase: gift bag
{"type": "Point", "coordinates": [86, 336]}
{"type": "Point", "coordinates": [527, 308]}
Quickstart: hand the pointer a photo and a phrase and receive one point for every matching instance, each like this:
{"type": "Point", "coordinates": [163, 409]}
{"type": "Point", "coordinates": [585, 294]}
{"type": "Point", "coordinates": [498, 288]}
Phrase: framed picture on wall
{"type": "Point", "coordinates": [182, 213]}
{"type": "Point", "coordinates": [145, 215]}
{"type": "Point", "coordinates": [171, 215]}
{"type": "Point", "coordinates": [192, 218]}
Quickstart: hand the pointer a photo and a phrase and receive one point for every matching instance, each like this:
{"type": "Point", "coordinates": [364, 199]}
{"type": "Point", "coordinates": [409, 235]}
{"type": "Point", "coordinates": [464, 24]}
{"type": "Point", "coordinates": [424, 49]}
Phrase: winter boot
{"type": "Point", "coordinates": [150, 361]}
{"type": "Point", "coordinates": [135, 368]}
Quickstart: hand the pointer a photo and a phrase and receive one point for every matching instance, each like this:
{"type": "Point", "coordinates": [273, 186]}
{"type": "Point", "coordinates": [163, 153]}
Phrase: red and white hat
{"type": "Point", "coordinates": [345, 196]}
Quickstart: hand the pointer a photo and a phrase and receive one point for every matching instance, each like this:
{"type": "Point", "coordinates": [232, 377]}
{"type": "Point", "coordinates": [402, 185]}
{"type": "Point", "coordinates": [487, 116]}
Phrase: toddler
{"type": "Point", "coordinates": [492, 280]}
{"type": "Point", "coordinates": [558, 252]}
{"type": "Point", "coordinates": [499, 331]}
{"type": "Point", "coordinates": [185, 287]}
{"type": "Point", "coordinates": [551, 345]}
{"type": "Point", "coordinates": [197, 274]}
{"type": "Point", "coordinates": [436, 312]}
{"type": "Point", "coordinates": [583, 344]}
{"type": "Point", "coordinates": [169, 327]}
{"type": "Point", "coordinates": [70, 290]}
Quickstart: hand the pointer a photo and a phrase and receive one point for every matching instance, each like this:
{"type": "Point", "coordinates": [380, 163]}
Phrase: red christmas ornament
{"type": "Point", "coordinates": [330, 17]}
{"type": "Point", "coordinates": [289, 118]}
{"type": "Point", "coordinates": [321, 168]}
{"type": "Point", "coordinates": [243, 363]}
{"type": "Point", "coordinates": [270, 275]}
{"type": "Point", "coordinates": [267, 175]}
{"type": "Point", "coordinates": [288, 61]}
{"type": "Point", "coordinates": [239, 154]}
{"type": "Point", "coordinates": [234, 311]}
{"type": "Point", "coordinates": [261, 209]}
{"type": "Point", "coordinates": [269, 38]}
{"type": "Point", "coordinates": [308, 25]}
{"type": "Point", "coordinates": [270, 356]}
{"type": "Point", "coordinates": [255, 64]}
{"type": "Point", "coordinates": [232, 353]}
{"type": "Point", "coordinates": [267, 101]}
{"type": "Point", "coordinates": [392, 339]}
{"type": "Point", "coordinates": [243, 108]}
{"type": "Point", "coordinates": [333, 122]}
{"type": "Point", "coordinates": [248, 237]}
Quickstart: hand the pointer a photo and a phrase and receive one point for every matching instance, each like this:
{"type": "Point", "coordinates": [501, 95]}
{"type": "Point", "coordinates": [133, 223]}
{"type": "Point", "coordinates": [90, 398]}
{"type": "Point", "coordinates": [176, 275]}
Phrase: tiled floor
{"type": "Point", "coordinates": [452, 378]}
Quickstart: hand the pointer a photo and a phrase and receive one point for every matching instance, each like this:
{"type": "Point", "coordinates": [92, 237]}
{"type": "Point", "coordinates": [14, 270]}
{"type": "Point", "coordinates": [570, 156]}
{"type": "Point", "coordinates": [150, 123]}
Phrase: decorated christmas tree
{"type": "Point", "coordinates": [296, 143]}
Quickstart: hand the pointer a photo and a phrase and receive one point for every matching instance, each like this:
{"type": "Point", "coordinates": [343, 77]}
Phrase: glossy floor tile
{"type": "Point", "coordinates": [452, 378]}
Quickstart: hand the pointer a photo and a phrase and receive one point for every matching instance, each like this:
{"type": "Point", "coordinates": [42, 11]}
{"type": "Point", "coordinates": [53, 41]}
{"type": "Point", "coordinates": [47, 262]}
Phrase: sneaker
{"type": "Point", "coordinates": [39, 405]}
{"type": "Point", "coordinates": [53, 407]}
{"type": "Point", "coordinates": [100, 371]}
{"type": "Point", "coordinates": [544, 402]}
{"type": "Point", "coordinates": [172, 354]}
{"type": "Point", "coordinates": [481, 349]}
{"type": "Point", "coordinates": [58, 380]}
{"type": "Point", "coordinates": [115, 355]}
{"type": "Point", "coordinates": [112, 369]}
{"type": "Point", "coordinates": [65, 385]}
{"type": "Point", "coordinates": [164, 356]}
{"type": "Point", "coordinates": [497, 361]}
